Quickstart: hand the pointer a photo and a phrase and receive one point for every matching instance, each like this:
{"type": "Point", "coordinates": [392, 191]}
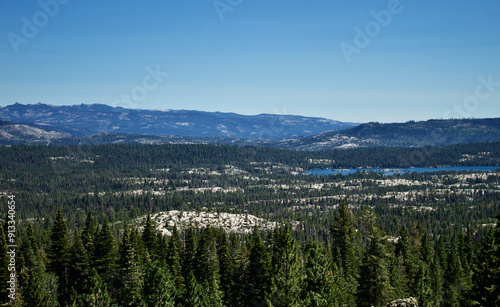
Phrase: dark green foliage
{"type": "Point", "coordinates": [104, 257]}
{"type": "Point", "coordinates": [258, 273]}
{"type": "Point", "coordinates": [98, 292]}
{"type": "Point", "coordinates": [323, 284]}
{"type": "Point", "coordinates": [40, 289]}
{"type": "Point", "coordinates": [286, 269]}
{"type": "Point", "coordinates": [174, 261]}
{"type": "Point", "coordinates": [59, 255]}
{"type": "Point", "coordinates": [443, 255]}
{"type": "Point", "coordinates": [344, 249]}
{"type": "Point", "coordinates": [486, 278]}
{"type": "Point", "coordinates": [79, 266]}
{"type": "Point", "coordinates": [159, 288]}
{"type": "Point", "coordinates": [149, 238]}
{"type": "Point", "coordinates": [375, 288]}
{"type": "Point", "coordinates": [131, 278]}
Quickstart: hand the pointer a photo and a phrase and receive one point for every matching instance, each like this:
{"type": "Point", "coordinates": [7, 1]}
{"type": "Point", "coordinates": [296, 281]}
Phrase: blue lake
{"type": "Point", "coordinates": [392, 171]}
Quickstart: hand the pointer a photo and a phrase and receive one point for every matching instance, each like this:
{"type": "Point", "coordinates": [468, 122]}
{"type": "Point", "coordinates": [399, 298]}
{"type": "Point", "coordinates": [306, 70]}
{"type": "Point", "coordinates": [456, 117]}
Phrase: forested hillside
{"type": "Point", "coordinates": [88, 233]}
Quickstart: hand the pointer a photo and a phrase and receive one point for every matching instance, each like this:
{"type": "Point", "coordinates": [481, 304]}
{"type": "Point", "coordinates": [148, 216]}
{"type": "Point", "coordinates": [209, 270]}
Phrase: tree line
{"type": "Point", "coordinates": [357, 264]}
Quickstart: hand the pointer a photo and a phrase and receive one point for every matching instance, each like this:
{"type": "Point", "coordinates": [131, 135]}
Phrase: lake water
{"type": "Point", "coordinates": [392, 171]}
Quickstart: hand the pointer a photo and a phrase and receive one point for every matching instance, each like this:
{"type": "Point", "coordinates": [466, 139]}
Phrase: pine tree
{"type": "Point", "coordinates": [423, 286]}
{"type": "Point", "coordinates": [79, 265]}
{"type": "Point", "coordinates": [98, 292]}
{"type": "Point", "coordinates": [88, 233]}
{"type": "Point", "coordinates": [104, 252]}
{"type": "Point", "coordinates": [149, 238]}
{"type": "Point", "coordinates": [323, 284]}
{"type": "Point", "coordinates": [130, 273]}
{"type": "Point", "coordinates": [287, 272]}
{"type": "Point", "coordinates": [159, 288]}
{"type": "Point", "coordinates": [407, 251]}
{"type": "Point", "coordinates": [375, 287]}
{"type": "Point", "coordinates": [58, 255]}
{"type": "Point", "coordinates": [453, 278]}
{"type": "Point", "coordinates": [174, 261]}
{"type": "Point", "coordinates": [344, 249]}
{"type": "Point", "coordinates": [207, 267]}
{"type": "Point", "coordinates": [226, 268]}
{"type": "Point", "coordinates": [188, 261]}
{"type": "Point", "coordinates": [40, 289]}
{"type": "Point", "coordinates": [437, 280]}
{"type": "Point", "coordinates": [258, 276]}
{"type": "Point", "coordinates": [486, 278]}
{"type": "Point", "coordinates": [194, 292]}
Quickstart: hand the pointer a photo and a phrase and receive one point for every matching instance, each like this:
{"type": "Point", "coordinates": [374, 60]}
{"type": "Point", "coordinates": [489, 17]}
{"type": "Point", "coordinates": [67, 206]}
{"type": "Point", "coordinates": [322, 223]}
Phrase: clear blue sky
{"type": "Point", "coordinates": [261, 56]}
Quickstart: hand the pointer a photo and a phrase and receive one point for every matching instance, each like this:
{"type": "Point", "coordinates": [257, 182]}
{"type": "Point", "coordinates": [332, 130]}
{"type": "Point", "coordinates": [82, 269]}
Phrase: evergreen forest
{"type": "Point", "coordinates": [85, 225]}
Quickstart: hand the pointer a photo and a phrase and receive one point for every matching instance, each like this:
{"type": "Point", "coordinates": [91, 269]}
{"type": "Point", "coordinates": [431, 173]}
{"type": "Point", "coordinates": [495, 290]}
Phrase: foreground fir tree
{"type": "Point", "coordinates": [98, 292]}
{"type": "Point", "coordinates": [207, 267]}
{"type": "Point", "coordinates": [375, 288]}
{"type": "Point", "coordinates": [88, 233]}
{"type": "Point", "coordinates": [131, 278]}
{"type": "Point", "coordinates": [104, 258]}
{"type": "Point", "coordinates": [287, 273]}
{"type": "Point", "coordinates": [159, 288]}
{"type": "Point", "coordinates": [79, 266]}
{"type": "Point", "coordinates": [58, 255]}
{"type": "Point", "coordinates": [40, 289]}
{"type": "Point", "coordinates": [149, 238]}
{"type": "Point", "coordinates": [344, 249]}
{"type": "Point", "coordinates": [258, 276]}
{"type": "Point", "coordinates": [174, 263]}
{"type": "Point", "coordinates": [226, 268]}
{"type": "Point", "coordinates": [323, 285]}
{"type": "Point", "coordinates": [486, 278]}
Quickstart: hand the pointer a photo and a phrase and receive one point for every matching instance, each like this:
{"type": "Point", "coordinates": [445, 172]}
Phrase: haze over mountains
{"type": "Point", "coordinates": [79, 120]}
{"type": "Point", "coordinates": [98, 124]}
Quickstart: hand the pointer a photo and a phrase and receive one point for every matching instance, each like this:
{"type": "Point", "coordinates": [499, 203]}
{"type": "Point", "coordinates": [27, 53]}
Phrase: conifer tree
{"type": "Point", "coordinates": [258, 276]}
{"type": "Point", "coordinates": [88, 233]}
{"type": "Point", "coordinates": [207, 267]}
{"type": "Point", "coordinates": [188, 262]}
{"type": "Point", "coordinates": [226, 268]}
{"type": "Point", "coordinates": [149, 238]}
{"type": "Point", "coordinates": [130, 273]}
{"type": "Point", "coordinates": [104, 252]}
{"type": "Point", "coordinates": [423, 286]}
{"type": "Point", "coordinates": [174, 261]}
{"type": "Point", "coordinates": [40, 289]}
{"type": "Point", "coordinates": [79, 265]}
{"type": "Point", "coordinates": [375, 287]}
{"type": "Point", "coordinates": [159, 288]}
{"type": "Point", "coordinates": [287, 272]}
{"type": "Point", "coordinates": [98, 292]}
{"type": "Point", "coordinates": [486, 278]}
{"type": "Point", "coordinates": [344, 250]}
{"type": "Point", "coordinates": [323, 284]}
{"type": "Point", "coordinates": [407, 251]}
{"type": "Point", "coordinates": [453, 278]}
{"type": "Point", "coordinates": [58, 255]}
{"type": "Point", "coordinates": [437, 280]}
{"type": "Point", "coordinates": [194, 292]}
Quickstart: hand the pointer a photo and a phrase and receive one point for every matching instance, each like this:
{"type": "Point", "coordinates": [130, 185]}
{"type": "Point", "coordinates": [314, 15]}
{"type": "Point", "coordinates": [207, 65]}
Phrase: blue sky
{"type": "Point", "coordinates": [418, 60]}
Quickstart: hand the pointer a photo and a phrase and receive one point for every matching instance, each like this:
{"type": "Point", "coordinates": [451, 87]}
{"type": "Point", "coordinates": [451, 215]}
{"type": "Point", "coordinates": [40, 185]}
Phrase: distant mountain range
{"type": "Point", "coordinates": [409, 134]}
{"type": "Point", "coordinates": [82, 120]}
{"type": "Point", "coordinates": [101, 124]}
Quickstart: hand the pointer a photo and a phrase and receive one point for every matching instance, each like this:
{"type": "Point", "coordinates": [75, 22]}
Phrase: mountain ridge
{"type": "Point", "coordinates": [85, 119]}
{"type": "Point", "coordinates": [102, 124]}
